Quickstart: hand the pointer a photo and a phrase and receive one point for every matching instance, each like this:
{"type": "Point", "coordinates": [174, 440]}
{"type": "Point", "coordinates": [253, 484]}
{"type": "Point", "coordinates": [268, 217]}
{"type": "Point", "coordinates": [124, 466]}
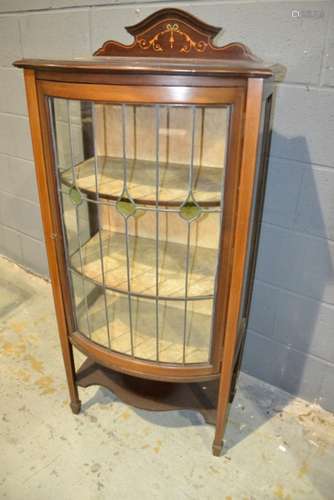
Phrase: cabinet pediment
{"type": "Point", "coordinates": [175, 33]}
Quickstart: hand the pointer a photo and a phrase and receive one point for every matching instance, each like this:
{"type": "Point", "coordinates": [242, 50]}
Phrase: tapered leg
{"type": "Point", "coordinates": [75, 402]}
{"type": "Point", "coordinates": [75, 406]}
{"type": "Point", "coordinates": [227, 390]}
{"type": "Point", "coordinates": [222, 413]}
{"type": "Point", "coordinates": [217, 449]}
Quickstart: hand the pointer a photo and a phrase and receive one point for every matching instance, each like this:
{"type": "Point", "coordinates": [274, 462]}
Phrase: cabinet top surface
{"type": "Point", "coordinates": [151, 65]}
{"type": "Point", "coordinates": [169, 41]}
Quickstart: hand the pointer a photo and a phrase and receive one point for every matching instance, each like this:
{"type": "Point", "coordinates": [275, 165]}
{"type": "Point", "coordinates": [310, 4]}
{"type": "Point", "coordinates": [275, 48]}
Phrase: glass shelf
{"type": "Point", "coordinates": [109, 326]}
{"type": "Point", "coordinates": [141, 181]}
{"type": "Point", "coordinates": [142, 266]}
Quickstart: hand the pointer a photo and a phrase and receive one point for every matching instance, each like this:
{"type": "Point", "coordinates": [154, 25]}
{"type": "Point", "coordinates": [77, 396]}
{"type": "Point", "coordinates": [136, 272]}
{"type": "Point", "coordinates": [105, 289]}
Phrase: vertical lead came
{"type": "Point", "coordinates": [157, 138]}
{"type": "Point", "coordinates": [125, 190]}
{"type": "Point", "coordinates": [99, 221]}
{"type": "Point", "coordinates": [188, 236]}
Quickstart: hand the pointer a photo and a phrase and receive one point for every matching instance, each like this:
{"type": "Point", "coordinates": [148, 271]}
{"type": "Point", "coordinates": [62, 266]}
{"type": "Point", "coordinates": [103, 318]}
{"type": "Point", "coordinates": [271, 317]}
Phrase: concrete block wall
{"type": "Point", "coordinates": [291, 332]}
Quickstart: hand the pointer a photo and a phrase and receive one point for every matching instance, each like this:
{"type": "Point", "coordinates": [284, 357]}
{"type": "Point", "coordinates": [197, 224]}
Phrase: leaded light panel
{"type": "Point", "coordinates": [141, 192]}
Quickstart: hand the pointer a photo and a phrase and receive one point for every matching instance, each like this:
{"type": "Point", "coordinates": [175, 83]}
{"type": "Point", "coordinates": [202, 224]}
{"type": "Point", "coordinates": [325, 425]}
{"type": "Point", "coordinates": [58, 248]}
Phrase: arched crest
{"type": "Point", "coordinates": [175, 33]}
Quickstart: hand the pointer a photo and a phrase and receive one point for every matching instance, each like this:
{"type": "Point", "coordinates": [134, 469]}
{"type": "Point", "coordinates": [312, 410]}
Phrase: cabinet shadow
{"type": "Point", "coordinates": [285, 345]}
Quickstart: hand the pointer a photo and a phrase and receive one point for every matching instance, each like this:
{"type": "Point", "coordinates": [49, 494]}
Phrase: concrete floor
{"type": "Point", "coordinates": [276, 447]}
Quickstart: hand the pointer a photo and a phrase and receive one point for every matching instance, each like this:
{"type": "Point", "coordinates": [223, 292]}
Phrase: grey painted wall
{"type": "Point", "coordinates": [291, 332]}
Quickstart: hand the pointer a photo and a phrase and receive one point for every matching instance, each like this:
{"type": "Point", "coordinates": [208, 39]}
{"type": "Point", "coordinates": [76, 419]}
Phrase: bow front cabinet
{"type": "Point", "coordinates": [151, 163]}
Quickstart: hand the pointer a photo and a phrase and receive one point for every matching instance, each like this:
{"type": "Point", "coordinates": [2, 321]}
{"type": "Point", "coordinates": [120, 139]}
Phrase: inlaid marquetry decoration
{"type": "Point", "coordinates": [174, 33]}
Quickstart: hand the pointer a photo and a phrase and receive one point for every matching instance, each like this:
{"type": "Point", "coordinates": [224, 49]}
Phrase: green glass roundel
{"type": "Point", "coordinates": [190, 210]}
{"type": "Point", "coordinates": [125, 207]}
{"type": "Point", "coordinates": [75, 195]}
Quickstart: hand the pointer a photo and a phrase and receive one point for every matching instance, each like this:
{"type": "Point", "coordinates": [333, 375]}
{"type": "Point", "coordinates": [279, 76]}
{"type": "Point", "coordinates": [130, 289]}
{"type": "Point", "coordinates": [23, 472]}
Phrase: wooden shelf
{"type": "Point", "coordinates": [152, 395]}
{"type": "Point", "coordinates": [144, 326]}
{"type": "Point", "coordinates": [141, 176]}
{"type": "Point", "coordinates": [142, 257]}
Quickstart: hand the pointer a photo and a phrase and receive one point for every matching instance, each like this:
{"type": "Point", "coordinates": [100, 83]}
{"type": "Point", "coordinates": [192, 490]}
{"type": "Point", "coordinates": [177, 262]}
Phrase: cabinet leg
{"type": "Point", "coordinates": [220, 423]}
{"type": "Point", "coordinates": [75, 406]}
{"type": "Point", "coordinates": [224, 392]}
{"type": "Point", "coordinates": [67, 350]}
{"type": "Point", "coordinates": [227, 390]}
{"type": "Point", "coordinates": [217, 449]}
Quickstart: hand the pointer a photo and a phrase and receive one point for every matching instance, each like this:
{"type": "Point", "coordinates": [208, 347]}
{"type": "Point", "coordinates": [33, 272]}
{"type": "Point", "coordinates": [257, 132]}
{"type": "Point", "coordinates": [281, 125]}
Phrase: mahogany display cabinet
{"type": "Point", "coordinates": [151, 163]}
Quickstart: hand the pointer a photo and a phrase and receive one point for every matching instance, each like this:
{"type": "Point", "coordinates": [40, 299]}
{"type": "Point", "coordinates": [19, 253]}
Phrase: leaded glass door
{"type": "Point", "coordinates": [141, 190]}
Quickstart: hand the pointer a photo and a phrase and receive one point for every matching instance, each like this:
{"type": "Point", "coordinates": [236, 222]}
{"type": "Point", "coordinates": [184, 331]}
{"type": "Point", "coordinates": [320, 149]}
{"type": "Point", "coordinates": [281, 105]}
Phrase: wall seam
{"type": "Point", "coordinates": [293, 292]}
{"type": "Point", "coordinates": [290, 348]}
{"type": "Point", "coordinates": [322, 301]}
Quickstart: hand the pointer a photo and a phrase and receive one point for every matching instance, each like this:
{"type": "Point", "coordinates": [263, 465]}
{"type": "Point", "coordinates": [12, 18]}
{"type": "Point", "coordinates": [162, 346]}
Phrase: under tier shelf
{"type": "Point", "coordinates": [173, 344]}
{"type": "Point", "coordinates": [153, 395]}
{"type": "Point", "coordinates": [141, 181]}
{"type": "Point", "coordinates": [172, 258]}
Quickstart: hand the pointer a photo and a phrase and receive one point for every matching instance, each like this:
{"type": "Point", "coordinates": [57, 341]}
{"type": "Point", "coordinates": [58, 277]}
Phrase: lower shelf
{"type": "Point", "coordinates": [152, 395]}
{"type": "Point", "coordinates": [172, 345]}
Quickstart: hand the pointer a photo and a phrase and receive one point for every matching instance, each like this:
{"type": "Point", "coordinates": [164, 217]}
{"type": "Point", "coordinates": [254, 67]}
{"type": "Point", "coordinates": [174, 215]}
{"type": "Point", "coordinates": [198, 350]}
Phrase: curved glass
{"type": "Point", "coordinates": [140, 189]}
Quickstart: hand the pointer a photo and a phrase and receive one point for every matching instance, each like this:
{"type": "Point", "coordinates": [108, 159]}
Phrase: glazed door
{"type": "Point", "coordinates": [143, 194]}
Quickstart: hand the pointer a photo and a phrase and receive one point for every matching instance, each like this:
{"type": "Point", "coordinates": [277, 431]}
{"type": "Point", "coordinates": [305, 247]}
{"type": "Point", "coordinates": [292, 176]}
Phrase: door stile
{"type": "Point", "coordinates": [59, 240]}
{"type": "Point", "coordinates": [51, 233]}
{"type": "Point", "coordinates": [229, 209]}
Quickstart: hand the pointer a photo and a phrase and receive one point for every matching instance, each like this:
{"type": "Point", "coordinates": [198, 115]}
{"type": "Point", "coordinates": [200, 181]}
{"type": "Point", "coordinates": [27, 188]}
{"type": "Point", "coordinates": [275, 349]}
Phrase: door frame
{"type": "Point", "coordinates": [131, 93]}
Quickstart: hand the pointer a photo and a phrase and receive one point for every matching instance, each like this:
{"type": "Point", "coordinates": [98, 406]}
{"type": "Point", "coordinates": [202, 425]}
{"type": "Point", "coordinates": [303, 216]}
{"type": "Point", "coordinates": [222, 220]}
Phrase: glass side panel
{"type": "Point", "coordinates": [141, 193]}
{"type": "Point", "coordinates": [256, 213]}
{"type": "Point", "coordinates": [79, 295]}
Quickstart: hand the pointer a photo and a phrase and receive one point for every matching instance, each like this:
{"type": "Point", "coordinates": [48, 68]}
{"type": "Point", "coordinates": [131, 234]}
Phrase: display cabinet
{"type": "Point", "coordinates": [151, 163]}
